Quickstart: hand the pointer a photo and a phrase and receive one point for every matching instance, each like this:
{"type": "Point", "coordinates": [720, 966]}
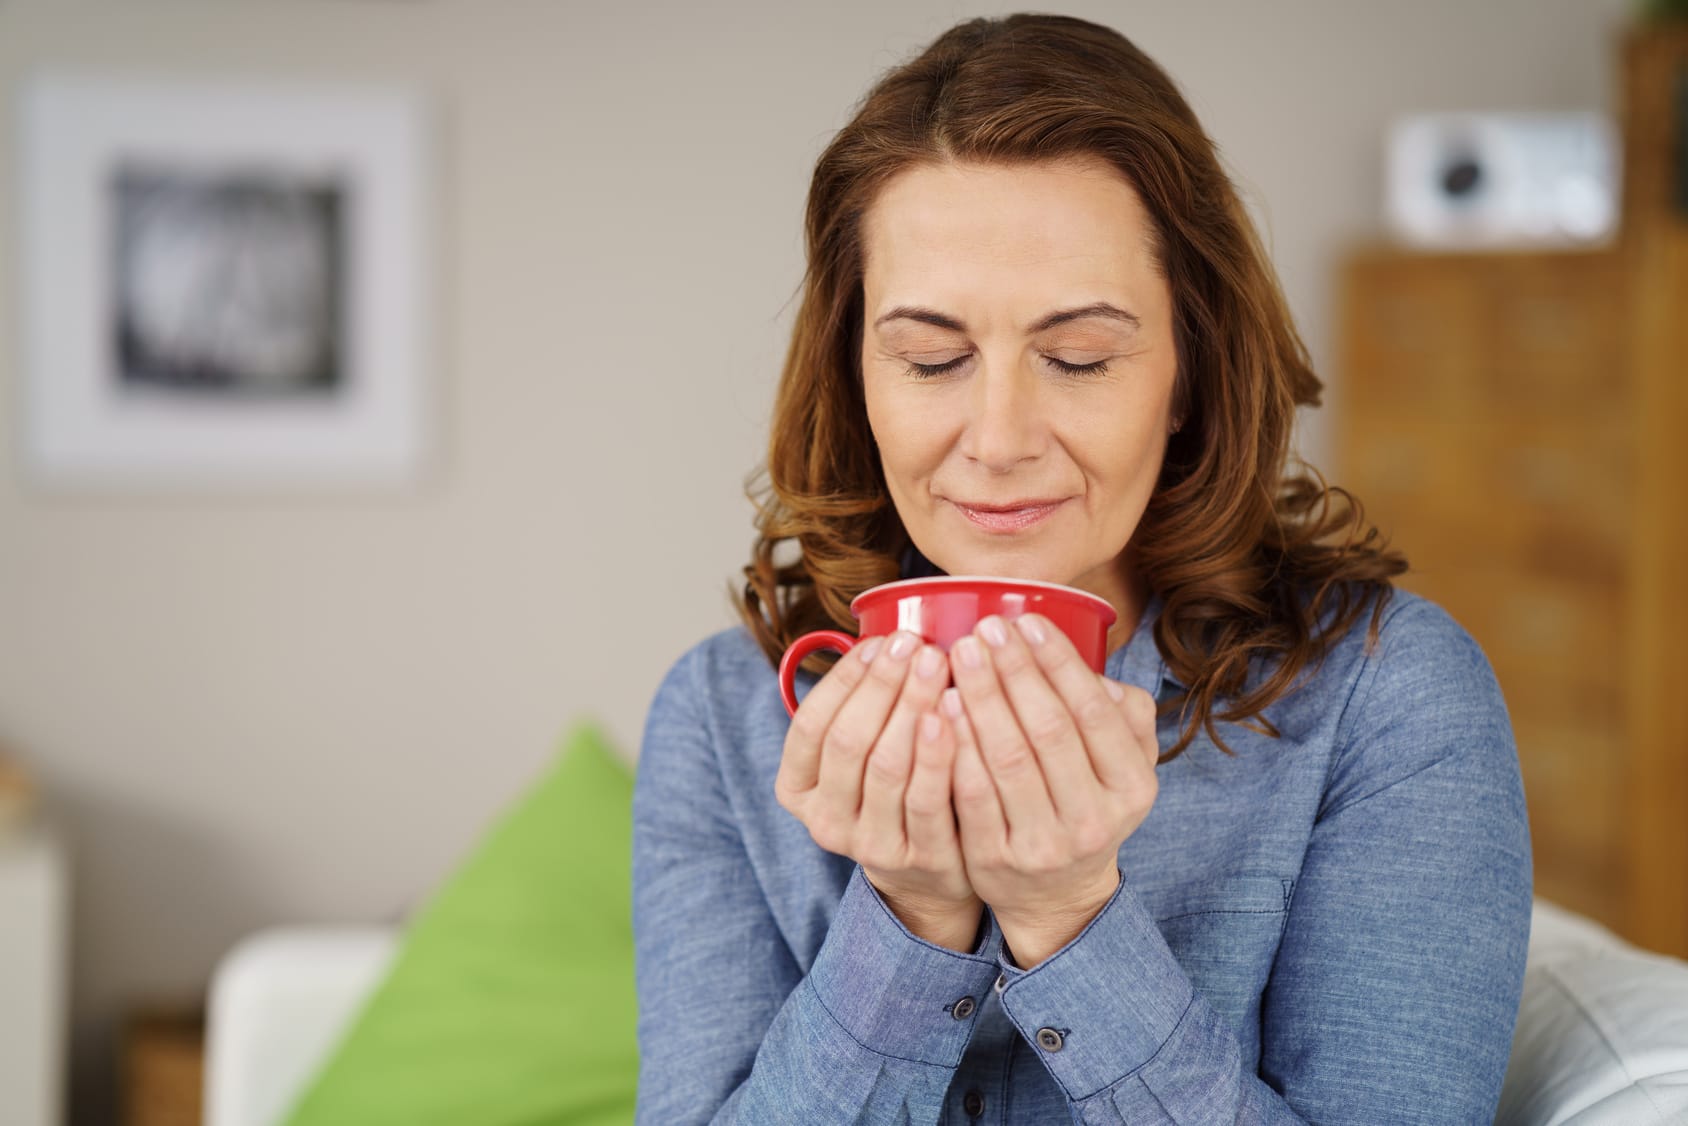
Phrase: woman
{"type": "Point", "coordinates": [1272, 866]}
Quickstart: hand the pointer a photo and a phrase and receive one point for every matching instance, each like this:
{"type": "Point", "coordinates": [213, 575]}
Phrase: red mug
{"type": "Point", "coordinates": [945, 609]}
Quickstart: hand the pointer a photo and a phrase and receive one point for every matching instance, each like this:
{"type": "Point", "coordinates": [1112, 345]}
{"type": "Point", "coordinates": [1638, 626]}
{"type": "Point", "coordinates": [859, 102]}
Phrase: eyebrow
{"type": "Point", "coordinates": [1061, 316]}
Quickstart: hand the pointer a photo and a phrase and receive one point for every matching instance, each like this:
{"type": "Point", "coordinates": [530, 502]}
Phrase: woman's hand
{"type": "Point", "coordinates": [1055, 768]}
{"type": "Point", "coordinates": [867, 768]}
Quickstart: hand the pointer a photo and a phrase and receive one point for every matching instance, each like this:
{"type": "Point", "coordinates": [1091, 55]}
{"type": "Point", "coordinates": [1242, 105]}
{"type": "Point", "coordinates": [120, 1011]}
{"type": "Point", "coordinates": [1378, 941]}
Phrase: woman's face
{"type": "Point", "coordinates": [1018, 363]}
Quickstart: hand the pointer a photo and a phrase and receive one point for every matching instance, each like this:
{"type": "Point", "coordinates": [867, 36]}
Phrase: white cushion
{"type": "Point", "coordinates": [280, 1000]}
{"type": "Point", "coordinates": [1602, 1032]}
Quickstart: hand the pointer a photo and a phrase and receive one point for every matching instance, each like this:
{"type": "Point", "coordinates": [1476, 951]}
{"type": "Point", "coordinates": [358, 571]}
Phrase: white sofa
{"type": "Point", "coordinates": [1602, 1035]}
{"type": "Point", "coordinates": [279, 1001]}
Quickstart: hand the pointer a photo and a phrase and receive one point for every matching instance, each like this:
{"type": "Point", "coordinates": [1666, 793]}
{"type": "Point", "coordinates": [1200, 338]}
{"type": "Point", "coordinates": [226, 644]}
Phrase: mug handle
{"type": "Point", "coordinates": [800, 649]}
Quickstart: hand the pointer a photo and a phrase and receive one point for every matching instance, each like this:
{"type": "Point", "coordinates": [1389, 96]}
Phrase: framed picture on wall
{"type": "Point", "coordinates": [224, 284]}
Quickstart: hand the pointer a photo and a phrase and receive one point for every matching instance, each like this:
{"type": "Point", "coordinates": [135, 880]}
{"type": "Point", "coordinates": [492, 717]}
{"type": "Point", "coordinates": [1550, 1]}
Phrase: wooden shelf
{"type": "Point", "coordinates": [1517, 423]}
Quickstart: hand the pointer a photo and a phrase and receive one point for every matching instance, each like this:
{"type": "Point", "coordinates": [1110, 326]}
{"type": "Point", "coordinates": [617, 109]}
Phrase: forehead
{"type": "Point", "coordinates": [946, 231]}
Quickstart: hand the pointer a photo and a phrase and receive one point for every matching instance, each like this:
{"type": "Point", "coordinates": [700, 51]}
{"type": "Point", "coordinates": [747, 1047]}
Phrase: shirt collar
{"type": "Point", "coordinates": [1139, 660]}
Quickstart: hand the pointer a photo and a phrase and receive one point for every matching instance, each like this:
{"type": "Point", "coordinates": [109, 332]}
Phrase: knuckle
{"type": "Point", "coordinates": [1140, 708]}
{"type": "Point", "coordinates": [807, 728]}
{"type": "Point", "coordinates": [1045, 726]}
{"type": "Point", "coordinates": [925, 801]}
{"type": "Point", "coordinates": [873, 854]}
{"type": "Point", "coordinates": [849, 669]}
{"type": "Point", "coordinates": [821, 831]}
{"type": "Point", "coordinates": [1091, 837]}
{"type": "Point", "coordinates": [841, 678]}
{"type": "Point", "coordinates": [845, 742]}
{"type": "Point", "coordinates": [1137, 801]}
{"type": "Point", "coordinates": [1012, 760]}
{"type": "Point", "coordinates": [981, 683]}
{"type": "Point", "coordinates": [919, 690]}
{"type": "Point", "coordinates": [1041, 856]}
{"type": "Point", "coordinates": [1093, 709]}
{"type": "Point", "coordinates": [1010, 658]}
{"type": "Point", "coordinates": [887, 672]}
{"type": "Point", "coordinates": [886, 765]}
{"type": "Point", "coordinates": [973, 789]}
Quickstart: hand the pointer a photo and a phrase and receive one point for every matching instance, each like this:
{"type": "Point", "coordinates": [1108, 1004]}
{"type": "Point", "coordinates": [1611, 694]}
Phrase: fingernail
{"type": "Point", "coordinates": [1034, 631]}
{"type": "Point", "coordinates": [929, 663]}
{"type": "Point", "coordinates": [993, 632]}
{"type": "Point", "coordinates": [1115, 689]}
{"type": "Point", "coordinates": [930, 727]}
{"type": "Point", "coordinates": [951, 702]}
{"type": "Point", "coordinates": [968, 649]}
{"type": "Point", "coordinates": [869, 649]}
{"type": "Point", "coordinates": [902, 644]}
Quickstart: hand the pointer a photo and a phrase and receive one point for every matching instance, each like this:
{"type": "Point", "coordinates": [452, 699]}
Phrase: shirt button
{"type": "Point", "coordinates": [973, 1103]}
{"type": "Point", "coordinates": [1050, 1040]}
{"type": "Point", "coordinates": [962, 1009]}
{"type": "Point", "coordinates": [1001, 982]}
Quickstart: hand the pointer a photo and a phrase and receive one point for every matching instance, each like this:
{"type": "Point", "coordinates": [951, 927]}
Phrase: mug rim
{"type": "Point", "coordinates": [940, 580]}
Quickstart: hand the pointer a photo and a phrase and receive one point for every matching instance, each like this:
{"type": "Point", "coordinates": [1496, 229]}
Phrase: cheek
{"type": "Point", "coordinates": [908, 446]}
{"type": "Point", "coordinates": [1127, 456]}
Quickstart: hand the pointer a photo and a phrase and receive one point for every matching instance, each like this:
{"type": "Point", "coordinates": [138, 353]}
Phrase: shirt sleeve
{"type": "Point", "coordinates": [730, 1028]}
{"type": "Point", "coordinates": [1397, 980]}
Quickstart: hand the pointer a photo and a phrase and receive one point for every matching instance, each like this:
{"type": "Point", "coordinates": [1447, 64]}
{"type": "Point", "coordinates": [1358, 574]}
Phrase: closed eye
{"type": "Point", "coordinates": [928, 371]}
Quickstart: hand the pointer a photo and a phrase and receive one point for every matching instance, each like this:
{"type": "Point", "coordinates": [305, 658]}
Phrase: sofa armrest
{"type": "Point", "coordinates": [1602, 1035]}
{"type": "Point", "coordinates": [280, 1000]}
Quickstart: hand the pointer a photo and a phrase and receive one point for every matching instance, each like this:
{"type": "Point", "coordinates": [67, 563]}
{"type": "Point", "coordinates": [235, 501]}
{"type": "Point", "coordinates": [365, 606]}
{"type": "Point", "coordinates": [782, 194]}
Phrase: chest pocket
{"type": "Point", "coordinates": [1225, 934]}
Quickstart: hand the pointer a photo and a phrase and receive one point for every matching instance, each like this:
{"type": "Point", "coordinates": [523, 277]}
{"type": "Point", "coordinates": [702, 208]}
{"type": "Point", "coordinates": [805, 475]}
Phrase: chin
{"type": "Point", "coordinates": [1006, 565]}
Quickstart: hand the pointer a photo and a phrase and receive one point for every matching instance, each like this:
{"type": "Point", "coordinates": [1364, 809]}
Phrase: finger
{"type": "Point", "coordinates": [801, 761]}
{"type": "Point", "coordinates": [978, 809]}
{"type": "Point", "coordinates": [1046, 717]}
{"type": "Point", "coordinates": [1007, 754]}
{"type": "Point", "coordinates": [1110, 743]}
{"type": "Point", "coordinates": [928, 804]}
{"type": "Point", "coordinates": [1142, 716]}
{"type": "Point", "coordinates": [889, 763]}
{"type": "Point", "coordinates": [924, 679]}
{"type": "Point", "coordinates": [854, 731]}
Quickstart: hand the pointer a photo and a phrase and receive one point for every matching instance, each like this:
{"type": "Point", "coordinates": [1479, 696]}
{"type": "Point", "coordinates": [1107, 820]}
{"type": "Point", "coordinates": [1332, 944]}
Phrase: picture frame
{"type": "Point", "coordinates": [224, 283]}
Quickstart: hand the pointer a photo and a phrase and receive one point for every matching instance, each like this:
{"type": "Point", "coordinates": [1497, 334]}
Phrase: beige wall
{"type": "Point", "coordinates": [303, 707]}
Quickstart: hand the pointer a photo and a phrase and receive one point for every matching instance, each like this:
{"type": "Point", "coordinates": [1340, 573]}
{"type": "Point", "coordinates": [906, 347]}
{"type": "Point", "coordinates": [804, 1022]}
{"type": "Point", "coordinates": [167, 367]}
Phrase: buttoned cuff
{"type": "Point", "coordinates": [895, 993]}
{"type": "Point", "coordinates": [1100, 1007]}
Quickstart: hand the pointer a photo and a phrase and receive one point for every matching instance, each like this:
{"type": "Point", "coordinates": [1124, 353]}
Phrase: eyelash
{"type": "Point", "coordinates": [927, 371]}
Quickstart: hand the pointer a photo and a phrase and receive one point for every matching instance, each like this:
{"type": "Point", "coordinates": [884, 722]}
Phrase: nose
{"type": "Point", "coordinates": [1005, 424]}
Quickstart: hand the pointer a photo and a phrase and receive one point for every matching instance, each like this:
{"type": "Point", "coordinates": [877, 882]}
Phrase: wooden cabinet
{"type": "Point", "coordinates": [164, 1067]}
{"type": "Point", "coordinates": [1518, 425]}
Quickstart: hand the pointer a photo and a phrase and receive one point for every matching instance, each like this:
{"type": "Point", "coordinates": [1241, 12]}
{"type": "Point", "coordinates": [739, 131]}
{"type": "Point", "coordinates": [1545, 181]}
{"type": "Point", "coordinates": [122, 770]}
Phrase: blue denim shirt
{"type": "Point", "coordinates": [1329, 926]}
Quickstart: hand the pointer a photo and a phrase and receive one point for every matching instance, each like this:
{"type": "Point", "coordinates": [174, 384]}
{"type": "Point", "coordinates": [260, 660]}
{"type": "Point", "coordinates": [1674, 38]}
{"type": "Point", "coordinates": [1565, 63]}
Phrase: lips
{"type": "Point", "coordinates": [1015, 516]}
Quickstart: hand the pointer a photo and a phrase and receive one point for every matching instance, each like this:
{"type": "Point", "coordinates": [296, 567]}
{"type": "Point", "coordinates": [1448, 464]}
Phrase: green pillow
{"type": "Point", "coordinates": [510, 1001]}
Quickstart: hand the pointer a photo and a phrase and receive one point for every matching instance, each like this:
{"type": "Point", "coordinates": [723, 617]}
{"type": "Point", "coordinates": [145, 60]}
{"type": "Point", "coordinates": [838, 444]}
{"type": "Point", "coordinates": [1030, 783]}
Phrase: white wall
{"type": "Point", "coordinates": [305, 707]}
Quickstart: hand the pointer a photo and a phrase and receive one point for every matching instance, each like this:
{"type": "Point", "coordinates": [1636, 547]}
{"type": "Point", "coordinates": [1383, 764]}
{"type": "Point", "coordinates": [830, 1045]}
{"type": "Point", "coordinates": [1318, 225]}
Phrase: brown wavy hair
{"type": "Point", "coordinates": [1252, 561]}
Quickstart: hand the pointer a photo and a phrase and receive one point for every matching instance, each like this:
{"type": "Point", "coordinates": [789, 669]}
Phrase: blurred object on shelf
{"type": "Point", "coordinates": [17, 795]}
{"type": "Point", "coordinates": [1471, 181]}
